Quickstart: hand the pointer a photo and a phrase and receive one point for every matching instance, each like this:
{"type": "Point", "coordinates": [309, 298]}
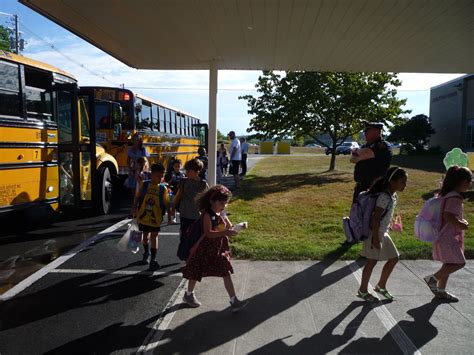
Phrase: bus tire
{"type": "Point", "coordinates": [105, 189]}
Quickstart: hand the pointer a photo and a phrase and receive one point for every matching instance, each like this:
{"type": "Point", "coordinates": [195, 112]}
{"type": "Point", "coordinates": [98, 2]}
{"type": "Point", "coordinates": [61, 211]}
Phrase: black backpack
{"type": "Point", "coordinates": [189, 238]}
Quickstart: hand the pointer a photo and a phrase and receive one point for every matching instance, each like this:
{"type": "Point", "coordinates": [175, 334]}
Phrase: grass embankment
{"type": "Point", "coordinates": [294, 208]}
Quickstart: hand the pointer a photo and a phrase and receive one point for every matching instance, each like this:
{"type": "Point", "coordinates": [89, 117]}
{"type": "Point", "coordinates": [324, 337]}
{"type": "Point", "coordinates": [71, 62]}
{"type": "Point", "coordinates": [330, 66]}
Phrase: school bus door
{"type": "Point", "coordinates": [76, 147]}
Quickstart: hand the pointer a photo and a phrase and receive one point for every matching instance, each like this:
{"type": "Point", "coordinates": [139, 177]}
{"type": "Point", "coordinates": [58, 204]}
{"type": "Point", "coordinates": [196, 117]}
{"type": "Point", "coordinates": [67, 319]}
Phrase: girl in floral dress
{"type": "Point", "coordinates": [210, 256]}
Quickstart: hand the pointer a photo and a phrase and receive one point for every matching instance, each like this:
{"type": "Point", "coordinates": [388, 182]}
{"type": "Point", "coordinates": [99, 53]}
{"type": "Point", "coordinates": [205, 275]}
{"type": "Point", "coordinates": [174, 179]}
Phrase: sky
{"type": "Point", "coordinates": [184, 89]}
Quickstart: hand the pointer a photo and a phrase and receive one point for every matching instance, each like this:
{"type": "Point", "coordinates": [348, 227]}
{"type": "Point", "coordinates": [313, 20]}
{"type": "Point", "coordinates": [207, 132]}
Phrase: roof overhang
{"type": "Point", "coordinates": [313, 35]}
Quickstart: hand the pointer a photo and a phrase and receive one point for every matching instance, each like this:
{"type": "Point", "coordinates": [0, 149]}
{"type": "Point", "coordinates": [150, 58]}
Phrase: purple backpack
{"type": "Point", "coordinates": [357, 226]}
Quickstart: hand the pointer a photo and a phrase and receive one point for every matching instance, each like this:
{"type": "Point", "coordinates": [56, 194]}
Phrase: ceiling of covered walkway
{"type": "Point", "coordinates": [316, 35]}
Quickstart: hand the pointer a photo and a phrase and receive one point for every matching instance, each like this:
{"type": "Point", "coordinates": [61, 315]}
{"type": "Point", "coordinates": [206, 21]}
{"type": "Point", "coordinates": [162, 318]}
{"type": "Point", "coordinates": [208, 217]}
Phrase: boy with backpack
{"type": "Point", "coordinates": [149, 206]}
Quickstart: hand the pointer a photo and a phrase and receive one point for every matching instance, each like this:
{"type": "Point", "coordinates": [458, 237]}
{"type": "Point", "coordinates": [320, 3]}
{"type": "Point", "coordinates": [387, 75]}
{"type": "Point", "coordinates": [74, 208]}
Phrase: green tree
{"type": "Point", "coordinates": [312, 103]}
{"type": "Point", "coordinates": [416, 130]}
{"type": "Point", "coordinates": [220, 136]}
{"type": "Point", "coordinates": [4, 39]}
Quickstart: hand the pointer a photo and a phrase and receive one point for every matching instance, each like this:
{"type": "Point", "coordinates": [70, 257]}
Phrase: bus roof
{"type": "Point", "coordinates": [12, 57]}
{"type": "Point", "coordinates": [140, 96]}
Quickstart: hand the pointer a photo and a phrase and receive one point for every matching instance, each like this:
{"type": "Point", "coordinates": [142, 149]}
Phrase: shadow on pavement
{"type": "Point", "coordinates": [419, 330]}
{"type": "Point", "coordinates": [324, 341]}
{"type": "Point", "coordinates": [214, 328]}
{"type": "Point", "coordinates": [72, 293]}
{"type": "Point", "coordinates": [115, 337]}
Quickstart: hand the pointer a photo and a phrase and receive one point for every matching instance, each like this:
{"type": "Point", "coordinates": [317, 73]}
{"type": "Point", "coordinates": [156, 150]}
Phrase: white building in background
{"type": "Point", "coordinates": [452, 114]}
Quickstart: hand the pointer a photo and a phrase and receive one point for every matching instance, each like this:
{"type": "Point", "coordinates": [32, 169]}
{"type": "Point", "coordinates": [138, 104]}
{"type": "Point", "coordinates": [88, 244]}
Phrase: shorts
{"type": "Point", "coordinates": [148, 229]}
{"type": "Point", "coordinates": [234, 167]}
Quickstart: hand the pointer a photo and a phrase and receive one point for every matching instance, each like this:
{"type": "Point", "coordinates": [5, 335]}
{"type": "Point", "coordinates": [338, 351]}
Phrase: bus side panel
{"type": "Point", "coordinates": [20, 186]}
{"type": "Point", "coordinates": [28, 166]}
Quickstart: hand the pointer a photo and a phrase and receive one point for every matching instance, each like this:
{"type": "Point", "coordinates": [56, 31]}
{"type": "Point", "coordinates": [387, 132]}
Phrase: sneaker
{"type": "Point", "coordinates": [432, 283]}
{"type": "Point", "coordinates": [191, 300]}
{"type": "Point", "coordinates": [237, 305]}
{"type": "Point", "coordinates": [444, 295]}
{"type": "Point", "coordinates": [145, 258]}
{"type": "Point", "coordinates": [154, 265]}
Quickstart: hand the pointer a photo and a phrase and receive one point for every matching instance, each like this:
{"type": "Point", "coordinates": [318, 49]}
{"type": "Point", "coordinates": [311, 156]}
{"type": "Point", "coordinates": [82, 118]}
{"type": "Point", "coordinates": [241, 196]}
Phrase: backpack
{"type": "Point", "coordinates": [189, 238]}
{"type": "Point", "coordinates": [160, 197]}
{"type": "Point", "coordinates": [357, 226]}
{"type": "Point", "coordinates": [429, 221]}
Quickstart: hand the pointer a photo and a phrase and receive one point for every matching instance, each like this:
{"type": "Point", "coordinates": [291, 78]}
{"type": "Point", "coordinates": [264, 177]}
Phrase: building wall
{"type": "Point", "coordinates": [469, 86]}
{"type": "Point", "coordinates": [469, 113]}
{"type": "Point", "coordinates": [446, 103]}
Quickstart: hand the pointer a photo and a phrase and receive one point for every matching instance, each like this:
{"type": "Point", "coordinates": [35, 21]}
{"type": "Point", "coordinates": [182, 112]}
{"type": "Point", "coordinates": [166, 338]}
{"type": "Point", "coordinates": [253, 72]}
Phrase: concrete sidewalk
{"type": "Point", "coordinates": [311, 307]}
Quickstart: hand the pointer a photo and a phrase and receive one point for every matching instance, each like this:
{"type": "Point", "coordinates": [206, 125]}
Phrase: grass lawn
{"type": "Point", "coordinates": [294, 208]}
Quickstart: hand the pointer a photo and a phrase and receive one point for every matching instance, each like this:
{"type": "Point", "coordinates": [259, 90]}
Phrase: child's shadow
{"type": "Point", "coordinates": [324, 341]}
{"type": "Point", "coordinates": [419, 330]}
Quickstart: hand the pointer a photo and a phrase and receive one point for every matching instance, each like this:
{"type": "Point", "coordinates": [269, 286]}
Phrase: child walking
{"type": "Point", "coordinates": [211, 256]}
{"type": "Point", "coordinates": [143, 170]}
{"type": "Point", "coordinates": [188, 189]}
{"type": "Point", "coordinates": [449, 247]}
{"type": "Point", "coordinates": [150, 204]}
{"type": "Point", "coordinates": [379, 246]}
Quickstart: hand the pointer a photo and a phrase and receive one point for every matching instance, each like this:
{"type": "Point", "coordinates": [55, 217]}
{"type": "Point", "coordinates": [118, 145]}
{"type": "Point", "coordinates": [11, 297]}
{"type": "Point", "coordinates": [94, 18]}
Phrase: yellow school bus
{"type": "Point", "coordinates": [48, 153]}
{"type": "Point", "coordinates": [166, 131]}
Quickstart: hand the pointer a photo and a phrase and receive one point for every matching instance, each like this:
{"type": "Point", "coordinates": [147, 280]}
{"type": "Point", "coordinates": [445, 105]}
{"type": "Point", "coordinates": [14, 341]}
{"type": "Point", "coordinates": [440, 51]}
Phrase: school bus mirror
{"type": "Point", "coordinates": [117, 130]}
{"type": "Point", "coordinates": [116, 113]}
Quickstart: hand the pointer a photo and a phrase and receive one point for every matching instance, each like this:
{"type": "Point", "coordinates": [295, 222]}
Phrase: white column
{"type": "Point", "coordinates": [212, 143]}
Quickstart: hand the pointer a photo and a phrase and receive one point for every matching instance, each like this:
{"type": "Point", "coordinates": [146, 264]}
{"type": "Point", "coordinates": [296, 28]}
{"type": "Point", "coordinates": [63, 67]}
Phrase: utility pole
{"type": "Point", "coordinates": [17, 35]}
{"type": "Point", "coordinates": [16, 42]}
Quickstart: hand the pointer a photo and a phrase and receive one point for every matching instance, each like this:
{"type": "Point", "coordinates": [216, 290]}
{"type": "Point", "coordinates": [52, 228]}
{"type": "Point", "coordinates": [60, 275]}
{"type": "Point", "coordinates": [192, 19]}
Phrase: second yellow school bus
{"type": "Point", "coordinates": [166, 131]}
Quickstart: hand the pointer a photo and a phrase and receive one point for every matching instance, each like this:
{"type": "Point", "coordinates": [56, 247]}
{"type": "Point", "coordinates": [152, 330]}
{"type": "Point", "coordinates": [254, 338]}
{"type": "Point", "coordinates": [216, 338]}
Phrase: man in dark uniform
{"type": "Point", "coordinates": [372, 160]}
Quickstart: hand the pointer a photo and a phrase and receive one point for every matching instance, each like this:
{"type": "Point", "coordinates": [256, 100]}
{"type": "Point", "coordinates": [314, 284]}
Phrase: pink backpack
{"type": "Point", "coordinates": [428, 222]}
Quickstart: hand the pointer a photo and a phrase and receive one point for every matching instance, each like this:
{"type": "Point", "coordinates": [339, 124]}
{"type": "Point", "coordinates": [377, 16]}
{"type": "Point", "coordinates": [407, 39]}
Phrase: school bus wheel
{"type": "Point", "coordinates": [104, 189]}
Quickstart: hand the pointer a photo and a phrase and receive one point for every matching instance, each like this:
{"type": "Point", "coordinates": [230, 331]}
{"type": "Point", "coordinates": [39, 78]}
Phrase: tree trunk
{"type": "Point", "coordinates": [332, 164]}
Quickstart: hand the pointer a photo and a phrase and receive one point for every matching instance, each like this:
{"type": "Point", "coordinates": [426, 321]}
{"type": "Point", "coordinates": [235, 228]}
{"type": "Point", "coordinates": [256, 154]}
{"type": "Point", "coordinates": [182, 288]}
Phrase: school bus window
{"type": "Point", "coordinates": [178, 123]}
{"type": "Point", "coordinates": [64, 117]}
{"type": "Point", "coordinates": [9, 90]}
{"type": "Point", "coordinates": [154, 117]}
{"type": "Point", "coordinates": [167, 120]}
{"type": "Point", "coordinates": [188, 125]}
{"type": "Point", "coordinates": [161, 112]}
{"type": "Point", "coordinates": [173, 122]}
{"type": "Point", "coordinates": [138, 114]}
{"type": "Point", "coordinates": [38, 93]}
{"type": "Point", "coordinates": [146, 115]}
{"type": "Point", "coordinates": [194, 128]}
{"type": "Point", "coordinates": [85, 131]}
{"type": "Point", "coordinates": [127, 108]}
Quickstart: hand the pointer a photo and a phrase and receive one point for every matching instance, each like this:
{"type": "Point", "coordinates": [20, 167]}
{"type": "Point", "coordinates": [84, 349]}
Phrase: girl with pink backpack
{"type": "Point", "coordinates": [379, 246]}
{"type": "Point", "coordinates": [449, 245]}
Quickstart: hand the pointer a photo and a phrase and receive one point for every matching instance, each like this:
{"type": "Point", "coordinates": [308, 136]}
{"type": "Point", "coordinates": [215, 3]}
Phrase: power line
{"type": "Point", "coordinates": [186, 88]}
{"type": "Point", "coordinates": [228, 89]}
{"type": "Point", "coordinates": [52, 46]}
